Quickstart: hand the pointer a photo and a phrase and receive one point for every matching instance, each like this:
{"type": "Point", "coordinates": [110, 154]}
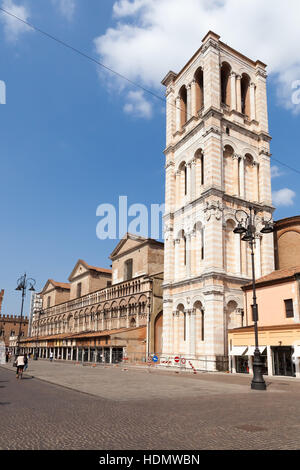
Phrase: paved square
{"type": "Point", "coordinates": [138, 409]}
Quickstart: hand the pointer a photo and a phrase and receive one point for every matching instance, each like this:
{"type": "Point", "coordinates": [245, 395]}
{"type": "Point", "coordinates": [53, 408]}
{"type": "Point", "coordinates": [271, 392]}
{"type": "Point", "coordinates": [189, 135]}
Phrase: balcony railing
{"type": "Point", "coordinates": [138, 285]}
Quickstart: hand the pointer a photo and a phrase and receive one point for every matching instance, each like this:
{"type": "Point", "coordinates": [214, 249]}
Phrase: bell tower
{"type": "Point", "coordinates": [217, 161]}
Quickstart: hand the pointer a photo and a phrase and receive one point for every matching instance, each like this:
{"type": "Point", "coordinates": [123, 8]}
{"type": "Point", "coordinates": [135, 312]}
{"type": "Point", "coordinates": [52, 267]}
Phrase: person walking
{"type": "Point", "coordinates": [25, 362]}
{"type": "Point", "coordinates": [51, 356]}
{"type": "Point", "coordinates": [20, 366]}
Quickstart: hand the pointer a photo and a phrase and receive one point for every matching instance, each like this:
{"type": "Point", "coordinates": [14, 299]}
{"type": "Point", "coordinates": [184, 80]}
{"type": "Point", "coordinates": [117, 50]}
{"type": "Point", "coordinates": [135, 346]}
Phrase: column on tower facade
{"type": "Point", "coordinates": [193, 98]}
{"type": "Point", "coordinates": [267, 253]}
{"type": "Point", "coordinates": [176, 332]}
{"type": "Point", "coordinates": [188, 182]}
{"type": "Point", "coordinates": [170, 194]}
{"type": "Point", "coordinates": [255, 182]}
{"type": "Point", "coordinates": [237, 247]}
{"type": "Point", "coordinates": [261, 99]}
{"type": "Point", "coordinates": [242, 176]}
{"type": "Point", "coordinates": [188, 254]}
{"type": "Point", "coordinates": [169, 253]}
{"type": "Point", "coordinates": [187, 332]}
{"type": "Point", "coordinates": [177, 258]}
{"type": "Point", "coordinates": [238, 94]}
{"type": "Point", "coordinates": [235, 174]}
{"type": "Point", "coordinates": [178, 112]}
{"type": "Point", "coordinates": [252, 102]}
{"type": "Point", "coordinates": [193, 180]}
{"type": "Point", "coordinates": [170, 115]}
{"type": "Point", "coordinates": [189, 102]}
{"type": "Point", "coordinates": [178, 195]}
{"type": "Point", "coordinates": [211, 76]}
{"type": "Point", "coordinates": [233, 90]}
{"type": "Point", "coordinates": [265, 179]}
{"type": "Point", "coordinates": [214, 327]}
{"type": "Point", "coordinates": [192, 350]}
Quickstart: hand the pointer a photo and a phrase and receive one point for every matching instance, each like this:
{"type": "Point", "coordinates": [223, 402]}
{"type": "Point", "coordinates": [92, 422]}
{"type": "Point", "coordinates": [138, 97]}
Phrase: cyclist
{"type": "Point", "coordinates": [20, 366]}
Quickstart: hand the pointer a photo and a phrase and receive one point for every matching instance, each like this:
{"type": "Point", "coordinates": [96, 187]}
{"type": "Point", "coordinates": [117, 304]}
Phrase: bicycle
{"type": "Point", "coordinates": [20, 372]}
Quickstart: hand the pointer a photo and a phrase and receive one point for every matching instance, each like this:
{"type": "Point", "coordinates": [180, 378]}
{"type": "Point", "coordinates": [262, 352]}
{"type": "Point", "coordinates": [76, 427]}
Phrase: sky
{"type": "Point", "coordinates": [74, 136]}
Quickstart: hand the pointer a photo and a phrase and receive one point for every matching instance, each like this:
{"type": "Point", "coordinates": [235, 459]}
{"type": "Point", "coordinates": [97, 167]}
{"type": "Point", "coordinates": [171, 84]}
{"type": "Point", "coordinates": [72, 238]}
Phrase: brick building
{"type": "Point", "coordinates": [287, 242]}
{"type": "Point", "coordinates": [1, 298]}
{"type": "Point", "coordinates": [104, 315]}
{"type": "Point", "coordinates": [10, 326]}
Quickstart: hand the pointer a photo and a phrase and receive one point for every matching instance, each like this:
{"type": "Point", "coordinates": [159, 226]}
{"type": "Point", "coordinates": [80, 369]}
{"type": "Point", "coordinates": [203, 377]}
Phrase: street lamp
{"type": "Point", "coordinates": [23, 284]}
{"type": "Point", "coordinates": [246, 227]}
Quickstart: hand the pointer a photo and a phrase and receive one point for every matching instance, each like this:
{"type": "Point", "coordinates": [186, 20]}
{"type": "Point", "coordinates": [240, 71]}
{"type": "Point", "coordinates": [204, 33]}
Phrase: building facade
{"type": "Point", "coordinates": [278, 300]}
{"type": "Point", "coordinates": [36, 304]}
{"type": "Point", "coordinates": [1, 298]}
{"type": "Point", "coordinates": [104, 315]}
{"type": "Point", "coordinates": [10, 326]}
{"type": "Point", "coordinates": [287, 242]}
{"type": "Point", "coordinates": [217, 161]}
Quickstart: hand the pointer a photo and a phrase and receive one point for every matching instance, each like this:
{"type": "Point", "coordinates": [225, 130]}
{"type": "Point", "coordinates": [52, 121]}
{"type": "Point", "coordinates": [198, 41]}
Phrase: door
{"type": "Point", "coordinates": [283, 362]}
{"type": "Point", "coordinates": [117, 355]}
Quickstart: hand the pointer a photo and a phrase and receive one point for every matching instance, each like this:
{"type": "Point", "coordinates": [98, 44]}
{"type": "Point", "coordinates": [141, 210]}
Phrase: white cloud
{"type": "Point", "coordinates": [283, 197]}
{"type": "Point", "coordinates": [152, 37]}
{"type": "Point", "coordinates": [66, 8]}
{"type": "Point", "coordinates": [276, 172]}
{"type": "Point", "coordinates": [137, 105]}
{"type": "Point", "coordinates": [13, 27]}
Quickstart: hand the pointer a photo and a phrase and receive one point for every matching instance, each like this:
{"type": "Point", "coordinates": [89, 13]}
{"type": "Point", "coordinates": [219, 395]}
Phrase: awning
{"type": "Point", "coordinates": [251, 350]}
{"type": "Point", "coordinates": [237, 350]}
{"type": "Point", "coordinates": [296, 352]}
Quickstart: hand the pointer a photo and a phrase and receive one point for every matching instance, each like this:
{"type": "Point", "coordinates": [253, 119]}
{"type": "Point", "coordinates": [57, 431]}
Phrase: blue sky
{"type": "Point", "coordinates": [72, 138]}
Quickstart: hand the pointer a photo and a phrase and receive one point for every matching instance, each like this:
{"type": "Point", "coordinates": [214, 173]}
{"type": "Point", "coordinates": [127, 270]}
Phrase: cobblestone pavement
{"type": "Point", "coordinates": [135, 409]}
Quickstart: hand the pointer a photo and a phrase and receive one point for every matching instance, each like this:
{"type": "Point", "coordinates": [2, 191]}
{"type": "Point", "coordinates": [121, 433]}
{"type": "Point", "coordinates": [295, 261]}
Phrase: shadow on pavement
{"type": "Point", "coordinates": [4, 403]}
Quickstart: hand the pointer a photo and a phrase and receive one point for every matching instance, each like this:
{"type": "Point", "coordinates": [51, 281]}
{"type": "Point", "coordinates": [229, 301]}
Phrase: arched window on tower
{"type": "Point", "coordinates": [225, 84]}
{"type": "Point", "coordinates": [245, 94]}
{"type": "Point", "coordinates": [199, 90]}
{"type": "Point", "coordinates": [183, 105]}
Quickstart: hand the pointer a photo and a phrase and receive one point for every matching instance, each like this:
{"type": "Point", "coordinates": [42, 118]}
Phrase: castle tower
{"type": "Point", "coordinates": [217, 161]}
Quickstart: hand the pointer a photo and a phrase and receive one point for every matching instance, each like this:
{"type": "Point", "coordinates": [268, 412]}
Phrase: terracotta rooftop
{"type": "Point", "coordinates": [277, 275]}
{"type": "Point", "coordinates": [95, 268]}
{"type": "Point", "coordinates": [64, 285]}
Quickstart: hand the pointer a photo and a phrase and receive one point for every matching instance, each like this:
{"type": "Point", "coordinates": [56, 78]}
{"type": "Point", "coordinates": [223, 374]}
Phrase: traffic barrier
{"type": "Point", "coordinates": [194, 370]}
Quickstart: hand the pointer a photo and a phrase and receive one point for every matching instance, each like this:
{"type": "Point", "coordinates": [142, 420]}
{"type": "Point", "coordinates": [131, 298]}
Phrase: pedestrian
{"type": "Point", "coordinates": [20, 366]}
{"type": "Point", "coordinates": [6, 355]}
{"type": "Point", "coordinates": [51, 356]}
{"type": "Point", "coordinates": [25, 362]}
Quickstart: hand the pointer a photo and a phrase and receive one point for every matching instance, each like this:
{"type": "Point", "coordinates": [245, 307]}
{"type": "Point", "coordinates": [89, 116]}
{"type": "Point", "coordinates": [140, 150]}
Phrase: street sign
{"type": "Point", "coordinates": [176, 359]}
{"type": "Point", "coordinates": [183, 361]}
{"type": "Point", "coordinates": [154, 358]}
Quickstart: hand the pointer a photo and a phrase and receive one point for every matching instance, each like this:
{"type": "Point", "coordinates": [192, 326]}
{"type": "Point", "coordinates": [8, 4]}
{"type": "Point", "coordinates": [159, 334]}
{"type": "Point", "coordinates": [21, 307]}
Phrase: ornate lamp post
{"type": "Point", "coordinates": [24, 283]}
{"type": "Point", "coordinates": [246, 227]}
